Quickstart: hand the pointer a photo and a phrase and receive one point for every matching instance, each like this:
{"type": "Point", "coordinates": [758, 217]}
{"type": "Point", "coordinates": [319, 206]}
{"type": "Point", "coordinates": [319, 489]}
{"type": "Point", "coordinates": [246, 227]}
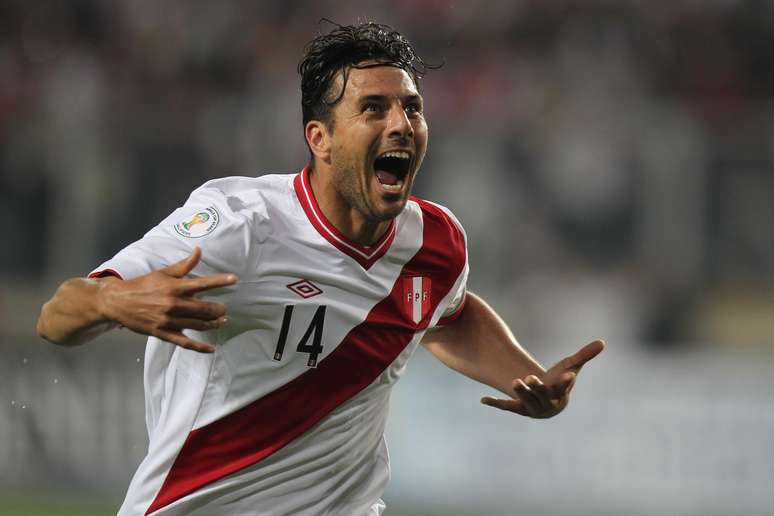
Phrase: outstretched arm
{"type": "Point", "coordinates": [162, 304]}
{"type": "Point", "coordinates": [481, 346]}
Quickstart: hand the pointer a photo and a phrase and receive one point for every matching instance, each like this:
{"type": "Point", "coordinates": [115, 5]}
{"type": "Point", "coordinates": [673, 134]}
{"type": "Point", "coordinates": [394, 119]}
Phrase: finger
{"type": "Point", "coordinates": [541, 391]}
{"type": "Point", "coordinates": [192, 286]}
{"type": "Point", "coordinates": [509, 405]}
{"type": "Point", "coordinates": [586, 353]}
{"type": "Point", "coordinates": [177, 338]}
{"type": "Point", "coordinates": [197, 309]}
{"type": "Point", "coordinates": [185, 323]}
{"type": "Point", "coordinates": [527, 397]}
{"type": "Point", "coordinates": [563, 385]}
{"type": "Point", "coordinates": [184, 266]}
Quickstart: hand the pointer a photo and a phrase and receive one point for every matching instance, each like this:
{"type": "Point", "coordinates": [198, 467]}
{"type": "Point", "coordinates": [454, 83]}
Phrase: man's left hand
{"type": "Point", "coordinates": [547, 395]}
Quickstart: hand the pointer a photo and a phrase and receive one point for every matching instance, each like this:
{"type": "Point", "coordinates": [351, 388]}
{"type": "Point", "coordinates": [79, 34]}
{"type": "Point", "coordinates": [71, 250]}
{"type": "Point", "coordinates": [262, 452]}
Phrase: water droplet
{"type": "Point", "coordinates": [56, 380]}
{"type": "Point", "coordinates": [13, 402]}
{"type": "Point", "coordinates": [138, 360]}
{"type": "Point", "coordinates": [24, 360]}
{"type": "Point", "coordinates": [24, 406]}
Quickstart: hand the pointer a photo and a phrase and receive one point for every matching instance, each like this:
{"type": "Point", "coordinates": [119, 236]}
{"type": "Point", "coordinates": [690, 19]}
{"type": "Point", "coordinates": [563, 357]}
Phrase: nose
{"type": "Point", "coordinates": [398, 124]}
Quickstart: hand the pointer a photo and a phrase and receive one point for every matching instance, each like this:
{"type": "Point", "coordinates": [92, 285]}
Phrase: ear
{"type": "Point", "coordinates": [318, 138]}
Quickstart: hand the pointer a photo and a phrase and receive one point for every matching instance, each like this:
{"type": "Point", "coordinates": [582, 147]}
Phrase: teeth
{"type": "Point", "coordinates": [396, 154]}
{"type": "Point", "coordinates": [394, 188]}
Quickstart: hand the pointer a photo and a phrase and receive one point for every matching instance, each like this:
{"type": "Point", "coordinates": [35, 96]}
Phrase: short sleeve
{"type": "Point", "coordinates": [457, 304]}
{"type": "Point", "coordinates": [206, 220]}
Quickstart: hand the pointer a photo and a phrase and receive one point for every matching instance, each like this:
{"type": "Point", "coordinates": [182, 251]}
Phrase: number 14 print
{"type": "Point", "coordinates": [315, 330]}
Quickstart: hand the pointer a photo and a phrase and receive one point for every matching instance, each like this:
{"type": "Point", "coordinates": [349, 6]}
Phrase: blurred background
{"type": "Point", "coordinates": [612, 162]}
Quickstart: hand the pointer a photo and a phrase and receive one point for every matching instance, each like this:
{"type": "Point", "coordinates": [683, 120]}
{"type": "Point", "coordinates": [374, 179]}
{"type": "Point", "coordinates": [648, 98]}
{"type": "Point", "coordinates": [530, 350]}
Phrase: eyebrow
{"type": "Point", "coordinates": [383, 98]}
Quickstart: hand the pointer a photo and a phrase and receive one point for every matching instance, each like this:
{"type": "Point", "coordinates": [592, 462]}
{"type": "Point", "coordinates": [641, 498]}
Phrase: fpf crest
{"type": "Point", "coordinates": [416, 298]}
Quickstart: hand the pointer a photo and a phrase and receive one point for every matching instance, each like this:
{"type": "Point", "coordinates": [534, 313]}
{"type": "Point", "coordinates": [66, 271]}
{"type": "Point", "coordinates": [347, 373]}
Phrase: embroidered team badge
{"type": "Point", "coordinates": [416, 298]}
{"type": "Point", "coordinates": [201, 223]}
{"type": "Point", "coordinates": [305, 288]}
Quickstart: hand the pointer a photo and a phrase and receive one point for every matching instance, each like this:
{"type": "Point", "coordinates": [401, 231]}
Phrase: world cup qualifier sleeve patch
{"type": "Point", "coordinates": [198, 223]}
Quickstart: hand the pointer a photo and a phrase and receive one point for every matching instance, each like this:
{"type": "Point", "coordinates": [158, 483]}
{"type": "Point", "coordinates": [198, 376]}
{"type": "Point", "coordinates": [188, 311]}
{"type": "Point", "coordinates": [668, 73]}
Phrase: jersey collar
{"type": "Point", "coordinates": [366, 256]}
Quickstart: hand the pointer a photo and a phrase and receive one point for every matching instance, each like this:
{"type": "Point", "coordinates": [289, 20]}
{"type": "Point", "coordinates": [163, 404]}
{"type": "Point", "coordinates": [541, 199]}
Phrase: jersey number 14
{"type": "Point", "coordinates": [314, 331]}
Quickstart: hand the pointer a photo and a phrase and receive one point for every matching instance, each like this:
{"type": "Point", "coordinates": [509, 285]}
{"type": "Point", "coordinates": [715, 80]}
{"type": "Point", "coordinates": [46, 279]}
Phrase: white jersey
{"type": "Point", "coordinates": [287, 416]}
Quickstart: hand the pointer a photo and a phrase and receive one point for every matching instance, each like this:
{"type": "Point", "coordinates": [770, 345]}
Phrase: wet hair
{"type": "Point", "coordinates": [346, 47]}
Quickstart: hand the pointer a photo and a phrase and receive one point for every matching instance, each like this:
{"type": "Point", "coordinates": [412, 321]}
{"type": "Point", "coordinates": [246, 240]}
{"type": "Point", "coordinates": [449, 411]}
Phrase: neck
{"type": "Point", "coordinates": [344, 217]}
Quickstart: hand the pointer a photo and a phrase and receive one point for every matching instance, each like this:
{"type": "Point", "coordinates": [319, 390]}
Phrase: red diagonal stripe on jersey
{"type": "Point", "coordinates": [256, 431]}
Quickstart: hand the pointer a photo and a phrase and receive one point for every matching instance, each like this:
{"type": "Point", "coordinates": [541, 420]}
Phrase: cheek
{"type": "Point", "coordinates": [420, 140]}
{"type": "Point", "coordinates": [420, 134]}
{"type": "Point", "coordinates": [341, 156]}
{"type": "Point", "coordinates": [346, 149]}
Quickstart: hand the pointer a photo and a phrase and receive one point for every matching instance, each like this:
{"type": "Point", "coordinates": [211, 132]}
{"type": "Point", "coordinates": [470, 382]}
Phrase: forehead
{"type": "Point", "coordinates": [379, 80]}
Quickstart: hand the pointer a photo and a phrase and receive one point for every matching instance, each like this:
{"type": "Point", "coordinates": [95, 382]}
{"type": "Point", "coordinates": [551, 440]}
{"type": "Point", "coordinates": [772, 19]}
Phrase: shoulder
{"type": "Point", "coordinates": [243, 199]}
{"type": "Point", "coordinates": [240, 185]}
{"type": "Point", "coordinates": [442, 231]}
{"type": "Point", "coordinates": [241, 192]}
{"type": "Point", "coordinates": [440, 218]}
{"type": "Point", "coordinates": [226, 218]}
{"type": "Point", "coordinates": [227, 206]}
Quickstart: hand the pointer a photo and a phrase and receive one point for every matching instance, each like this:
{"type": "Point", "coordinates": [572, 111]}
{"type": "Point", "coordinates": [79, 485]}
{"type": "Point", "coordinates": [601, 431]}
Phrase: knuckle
{"type": "Point", "coordinates": [215, 311]}
{"type": "Point", "coordinates": [168, 303]}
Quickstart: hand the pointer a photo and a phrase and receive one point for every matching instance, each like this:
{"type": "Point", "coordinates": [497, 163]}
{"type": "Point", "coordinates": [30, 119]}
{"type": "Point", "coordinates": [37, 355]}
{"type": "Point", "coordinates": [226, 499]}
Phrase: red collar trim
{"type": "Point", "coordinates": [366, 256]}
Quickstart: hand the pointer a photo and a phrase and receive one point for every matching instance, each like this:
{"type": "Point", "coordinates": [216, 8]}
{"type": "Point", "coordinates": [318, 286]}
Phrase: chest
{"type": "Point", "coordinates": [306, 297]}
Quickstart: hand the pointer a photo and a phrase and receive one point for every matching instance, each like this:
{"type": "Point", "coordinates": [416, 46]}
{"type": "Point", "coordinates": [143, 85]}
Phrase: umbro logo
{"type": "Point", "coordinates": [305, 288]}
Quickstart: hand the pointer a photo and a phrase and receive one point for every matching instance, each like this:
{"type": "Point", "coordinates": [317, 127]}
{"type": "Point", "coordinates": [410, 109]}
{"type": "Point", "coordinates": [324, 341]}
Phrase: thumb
{"type": "Point", "coordinates": [184, 266]}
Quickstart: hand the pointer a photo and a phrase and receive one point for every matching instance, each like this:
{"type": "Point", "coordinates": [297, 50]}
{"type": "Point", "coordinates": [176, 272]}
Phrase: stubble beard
{"type": "Point", "coordinates": [352, 185]}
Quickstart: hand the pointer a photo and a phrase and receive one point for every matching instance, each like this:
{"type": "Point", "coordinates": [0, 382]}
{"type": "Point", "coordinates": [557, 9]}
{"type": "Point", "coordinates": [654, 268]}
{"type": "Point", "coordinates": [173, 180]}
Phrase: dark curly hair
{"type": "Point", "coordinates": [346, 47]}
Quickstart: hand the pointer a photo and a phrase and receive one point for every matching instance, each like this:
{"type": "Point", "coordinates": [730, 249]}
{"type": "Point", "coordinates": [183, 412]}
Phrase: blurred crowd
{"type": "Point", "coordinates": [611, 161]}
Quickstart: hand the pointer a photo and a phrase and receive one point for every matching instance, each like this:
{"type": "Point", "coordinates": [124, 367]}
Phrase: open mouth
{"type": "Point", "coordinates": [391, 169]}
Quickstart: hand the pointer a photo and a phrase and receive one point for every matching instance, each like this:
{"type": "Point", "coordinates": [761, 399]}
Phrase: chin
{"type": "Point", "coordinates": [391, 211]}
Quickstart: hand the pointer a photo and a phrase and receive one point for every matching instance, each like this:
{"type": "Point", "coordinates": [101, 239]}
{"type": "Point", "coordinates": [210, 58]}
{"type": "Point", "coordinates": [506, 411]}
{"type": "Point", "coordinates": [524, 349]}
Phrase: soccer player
{"type": "Point", "coordinates": [282, 309]}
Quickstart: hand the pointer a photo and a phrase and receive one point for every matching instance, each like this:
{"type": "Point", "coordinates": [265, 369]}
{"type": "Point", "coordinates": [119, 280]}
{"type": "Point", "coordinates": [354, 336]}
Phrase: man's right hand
{"type": "Point", "coordinates": [164, 303]}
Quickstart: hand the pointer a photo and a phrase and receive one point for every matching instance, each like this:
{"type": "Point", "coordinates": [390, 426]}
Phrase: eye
{"type": "Point", "coordinates": [413, 108]}
{"type": "Point", "coordinates": [372, 107]}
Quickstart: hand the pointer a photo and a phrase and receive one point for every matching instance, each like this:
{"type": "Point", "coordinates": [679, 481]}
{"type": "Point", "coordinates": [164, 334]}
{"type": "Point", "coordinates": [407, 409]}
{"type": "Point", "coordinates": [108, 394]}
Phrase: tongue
{"type": "Point", "coordinates": [386, 178]}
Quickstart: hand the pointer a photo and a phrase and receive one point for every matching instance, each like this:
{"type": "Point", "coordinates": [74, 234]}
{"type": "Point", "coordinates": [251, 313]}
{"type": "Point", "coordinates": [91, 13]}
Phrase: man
{"type": "Point", "coordinates": [270, 395]}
